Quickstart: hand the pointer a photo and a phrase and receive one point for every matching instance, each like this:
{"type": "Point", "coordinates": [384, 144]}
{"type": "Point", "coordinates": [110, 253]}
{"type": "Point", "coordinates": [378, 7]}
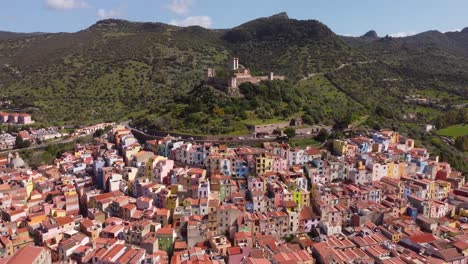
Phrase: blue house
{"type": "Point", "coordinates": [363, 144]}
{"type": "Point", "coordinates": [380, 139]}
{"type": "Point", "coordinates": [242, 168]}
{"type": "Point", "coordinates": [412, 211]}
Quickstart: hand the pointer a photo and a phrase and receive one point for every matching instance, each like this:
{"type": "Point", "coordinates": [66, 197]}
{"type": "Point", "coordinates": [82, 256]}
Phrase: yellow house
{"type": "Point", "coordinates": [36, 219]}
{"type": "Point", "coordinates": [432, 191]}
{"type": "Point", "coordinates": [396, 170]}
{"type": "Point", "coordinates": [444, 187]}
{"type": "Point", "coordinates": [401, 169]}
{"type": "Point", "coordinates": [361, 165]}
{"type": "Point", "coordinates": [297, 197]}
{"type": "Point", "coordinates": [172, 201]}
{"type": "Point", "coordinates": [463, 212]}
{"type": "Point", "coordinates": [28, 184]}
{"type": "Point", "coordinates": [340, 146]}
{"type": "Point", "coordinates": [391, 170]}
{"type": "Point", "coordinates": [264, 163]}
{"type": "Point", "coordinates": [301, 197]}
{"type": "Point", "coordinates": [174, 188]}
{"type": "Point", "coordinates": [70, 192]}
{"type": "Point", "coordinates": [395, 138]}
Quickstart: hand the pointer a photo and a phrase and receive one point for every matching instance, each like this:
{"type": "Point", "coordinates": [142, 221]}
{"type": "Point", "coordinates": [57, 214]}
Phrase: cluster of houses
{"type": "Point", "coordinates": [89, 130]}
{"type": "Point", "coordinates": [33, 135]}
{"type": "Point", "coordinates": [7, 141]}
{"type": "Point", "coordinates": [41, 134]}
{"type": "Point", "coordinates": [375, 199]}
{"type": "Point", "coordinates": [15, 118]}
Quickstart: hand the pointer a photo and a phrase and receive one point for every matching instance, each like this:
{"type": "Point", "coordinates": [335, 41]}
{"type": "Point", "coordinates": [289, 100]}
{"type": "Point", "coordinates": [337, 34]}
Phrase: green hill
{"type": "Point", "coordinates": [117, 70]}
{"type": "Point", "coordinates": [151, 73]}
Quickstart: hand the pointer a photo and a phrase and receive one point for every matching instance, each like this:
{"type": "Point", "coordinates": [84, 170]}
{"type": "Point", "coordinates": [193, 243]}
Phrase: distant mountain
{"type": "Point", "coordinates": [117, 69]}
{"type": "Point", "coordinates": [6, 35]}
{"type": "Point", "coordinates": [288, 46]}
{"type": "Point", "coordinates": [372, 34]}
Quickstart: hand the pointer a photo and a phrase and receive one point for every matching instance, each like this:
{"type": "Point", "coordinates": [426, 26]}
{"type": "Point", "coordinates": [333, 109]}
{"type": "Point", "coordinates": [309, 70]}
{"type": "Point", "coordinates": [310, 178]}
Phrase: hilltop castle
{"type": "Point", "coordinates": [238, 74]}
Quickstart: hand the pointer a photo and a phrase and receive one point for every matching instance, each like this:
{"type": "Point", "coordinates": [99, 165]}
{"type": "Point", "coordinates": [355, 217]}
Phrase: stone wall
{"type": "Point", "coordinates": [269, 128]}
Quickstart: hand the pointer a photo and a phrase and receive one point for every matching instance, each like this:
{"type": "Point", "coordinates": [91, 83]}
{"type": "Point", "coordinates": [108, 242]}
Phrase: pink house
{"type": "Point", "coordinates": [162, 169]}
{"type": "Point", "coordinates": [237, 254]}
{"type": "Point", "coordinates": [277, 191]}
{"type": "Point", "coordinates": [13, 118]}
{"type": "Point", "coordinates": [144, 203]}
{"type": "Point", "coordinates": [24, 119]}
{"type": "Point", "coordinates": [280, 164]}
{"type": "Point", "coordinates": [3, 117]}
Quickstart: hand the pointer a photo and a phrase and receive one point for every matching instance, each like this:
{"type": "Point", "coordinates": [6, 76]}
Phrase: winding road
{"type": "Point", "coordinates": [338, 68]}
{"type": "Point", "coordinates": [45, 144]}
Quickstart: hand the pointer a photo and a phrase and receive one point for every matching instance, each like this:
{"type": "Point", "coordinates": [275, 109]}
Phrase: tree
{"type": "Point", "coordinates": [98, 133]}
{"type": "Point", "coordinates": [322, 135]}
{"type": "Point", "coordinates": [461, 143]}
{"type": "Point", "coordinates": [20, 143]}
{"type": "Point", "coordinates": [308, 119]}
{"type": "Point", "coordinates": [243, 115]}
{"type": "Point", "coordinates": [343, 122]}
{"type": "Point", "coordinates": [290, 132]}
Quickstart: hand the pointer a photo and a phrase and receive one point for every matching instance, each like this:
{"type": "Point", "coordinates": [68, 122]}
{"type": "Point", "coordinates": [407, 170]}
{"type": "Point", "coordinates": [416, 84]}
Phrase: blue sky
{"type": "Point", "coordinates": [346, 17]}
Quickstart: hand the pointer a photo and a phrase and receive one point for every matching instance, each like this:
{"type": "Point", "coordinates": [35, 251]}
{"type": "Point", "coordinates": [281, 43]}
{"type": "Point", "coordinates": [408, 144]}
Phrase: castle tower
{"type": "Point", "coordinates": [233, 64]}
{"type": "Point", "coordinates": [209, 73]}
{"type": "Point", "coordinates": [271, 76]}
{"type": "Point", "coordinates": [232, 82]}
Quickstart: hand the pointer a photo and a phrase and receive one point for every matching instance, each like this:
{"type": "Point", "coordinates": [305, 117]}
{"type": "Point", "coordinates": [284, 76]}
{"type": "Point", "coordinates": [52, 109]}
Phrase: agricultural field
{"type": "Point", "coordinates": [454, 131]}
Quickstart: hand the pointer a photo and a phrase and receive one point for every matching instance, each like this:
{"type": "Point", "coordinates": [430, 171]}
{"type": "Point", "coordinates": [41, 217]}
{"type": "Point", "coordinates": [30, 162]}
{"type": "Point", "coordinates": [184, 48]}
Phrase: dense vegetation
{"type": "Point", "coordinates": [295, 48]}
{"type": "Point", "coordinates": [150, 73]}
{"type": "Point", "coordinates": [206, 110]}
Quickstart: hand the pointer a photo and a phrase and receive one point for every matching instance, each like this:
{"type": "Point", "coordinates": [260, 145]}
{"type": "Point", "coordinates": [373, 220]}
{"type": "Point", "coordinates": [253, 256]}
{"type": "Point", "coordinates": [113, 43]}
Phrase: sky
{"type": "Point", "coordinates": [344, 17]}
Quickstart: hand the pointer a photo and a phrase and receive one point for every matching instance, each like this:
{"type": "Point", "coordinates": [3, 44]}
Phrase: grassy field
{"type": "Point", "coordinates": [454, 131]}
{"type": "Point", "coordinates": [304, 142]}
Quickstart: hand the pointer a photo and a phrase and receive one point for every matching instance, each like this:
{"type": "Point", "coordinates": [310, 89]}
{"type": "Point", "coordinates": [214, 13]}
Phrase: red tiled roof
{"type": "Point", "coordinates": [423, 238]}
{"type": "Point", "coordinates": [26, 254]}
{"type": "Point", "coordinates": [234, 251]}
{"type": "Point", "coordinates": [165, 231]}
{"type": "Point", "coordinates": [461, 245]}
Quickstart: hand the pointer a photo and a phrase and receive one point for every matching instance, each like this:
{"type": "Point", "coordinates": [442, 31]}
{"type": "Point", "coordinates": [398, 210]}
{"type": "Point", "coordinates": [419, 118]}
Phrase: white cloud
{"type": "Point", "coordinates": [180, 6]}
{"type": "Point", "coordinates": [66, 4]}
{"type": "Point", "coordinates": [104, 14]}
{"type": "Point", "coordinates": [402, 34]}
{"type": "Point", "coordinates": [202, 21]}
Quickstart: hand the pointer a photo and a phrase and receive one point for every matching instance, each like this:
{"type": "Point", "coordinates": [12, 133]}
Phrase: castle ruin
{"type": "Point", "coordinates": [237, 74]}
